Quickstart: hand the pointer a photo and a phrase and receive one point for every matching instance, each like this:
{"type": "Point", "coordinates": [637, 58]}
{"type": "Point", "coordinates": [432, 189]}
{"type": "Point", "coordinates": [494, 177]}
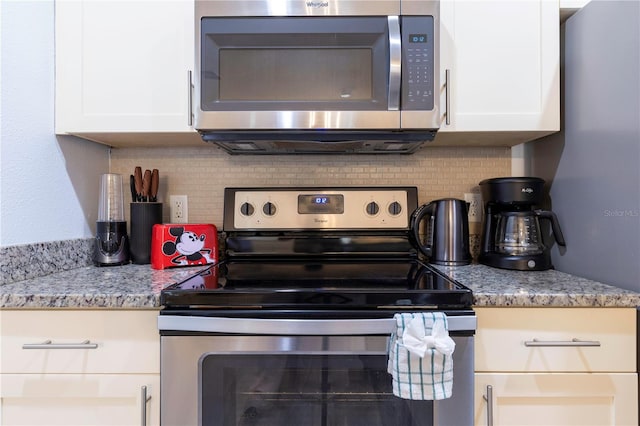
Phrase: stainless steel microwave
{"type": "Point", "coordinates": [317, 76]}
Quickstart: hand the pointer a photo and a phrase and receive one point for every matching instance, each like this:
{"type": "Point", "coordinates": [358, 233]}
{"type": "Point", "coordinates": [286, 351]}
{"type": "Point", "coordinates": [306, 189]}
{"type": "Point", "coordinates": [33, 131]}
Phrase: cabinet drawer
{"type": "Point", "coordinates": [118, 341]}
{"type": "Point", "coordinates": [542, 339]}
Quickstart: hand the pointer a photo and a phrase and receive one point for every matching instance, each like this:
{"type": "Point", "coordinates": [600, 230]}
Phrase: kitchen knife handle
{"type": "Point", "coordinates": [395, 63]}
{"type": "Point", "coordinates": [48, 344]}
{"type": "Point", "coordinates": [137, 176]}
{"type": "Point", "coordinates": [155, 181]}
{"type": "Point", "coordinates": [447, 92]}
{"type": "Point", "coordinates": [146, 185]}
{"type": "Point", "coordinates": [134, 192]}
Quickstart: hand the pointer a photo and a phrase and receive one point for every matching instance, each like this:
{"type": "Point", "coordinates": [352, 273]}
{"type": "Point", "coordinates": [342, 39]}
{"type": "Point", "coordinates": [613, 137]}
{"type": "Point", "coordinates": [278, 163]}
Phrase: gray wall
{"type": "Point", "coordinates": [593, 165]}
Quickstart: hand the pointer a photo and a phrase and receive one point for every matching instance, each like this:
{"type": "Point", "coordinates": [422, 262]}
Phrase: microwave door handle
{"type": "Point", "coordinates": [395, 63]}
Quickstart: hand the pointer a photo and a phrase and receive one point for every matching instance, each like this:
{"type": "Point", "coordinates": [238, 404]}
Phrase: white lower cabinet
{"type": "Point", "coordinates": [557, 399]}
{"type": "Point", "coordinates": [556, 367]}
{"type": "Point", "coordinates": [79, 367]}
{"type": "Point", "coordinates": [80, 399]}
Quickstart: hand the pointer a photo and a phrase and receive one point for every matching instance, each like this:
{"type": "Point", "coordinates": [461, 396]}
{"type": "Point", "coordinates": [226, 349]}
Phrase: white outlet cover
{"type": "Point", "coordinates": [178, 209]}
{"type": "Point", "coordinates": [475, 206]}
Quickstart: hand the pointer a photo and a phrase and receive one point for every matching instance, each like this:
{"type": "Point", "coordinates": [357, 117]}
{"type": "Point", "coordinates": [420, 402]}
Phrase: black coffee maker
{"type": "Point", "coordinates": [511, 233]}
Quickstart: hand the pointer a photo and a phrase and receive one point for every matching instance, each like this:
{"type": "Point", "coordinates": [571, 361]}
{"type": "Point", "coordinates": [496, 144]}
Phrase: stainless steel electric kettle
{"type": "Point", "coordinates": [445, 240]}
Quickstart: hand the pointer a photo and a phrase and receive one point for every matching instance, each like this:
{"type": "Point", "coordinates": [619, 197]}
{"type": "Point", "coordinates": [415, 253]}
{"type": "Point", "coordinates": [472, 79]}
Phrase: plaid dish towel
{"type": "Point", "coordinates": [421, 356]}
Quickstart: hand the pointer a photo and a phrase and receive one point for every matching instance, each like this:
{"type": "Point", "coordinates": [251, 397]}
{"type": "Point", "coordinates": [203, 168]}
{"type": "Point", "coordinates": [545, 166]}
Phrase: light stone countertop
{"type": "Point", "coordinates": [139, 286]}
{"type": "Point", "coordinates": [500, 287]}
{"type": "Point", "coordinates": [114, 287]}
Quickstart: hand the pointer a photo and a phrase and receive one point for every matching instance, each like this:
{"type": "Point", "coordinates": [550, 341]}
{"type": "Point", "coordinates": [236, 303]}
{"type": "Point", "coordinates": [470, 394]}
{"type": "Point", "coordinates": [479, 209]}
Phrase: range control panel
{"type": "Point", "coordinates": [319, 208]}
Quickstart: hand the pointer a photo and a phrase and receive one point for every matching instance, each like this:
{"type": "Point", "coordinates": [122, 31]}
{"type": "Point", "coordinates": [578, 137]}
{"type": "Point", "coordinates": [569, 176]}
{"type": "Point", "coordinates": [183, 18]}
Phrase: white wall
{"type": "Point", "coordinates": [48, 184]}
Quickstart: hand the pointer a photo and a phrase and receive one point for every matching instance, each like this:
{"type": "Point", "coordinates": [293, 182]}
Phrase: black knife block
{"type": "Point", "coordinates": [143, 217]}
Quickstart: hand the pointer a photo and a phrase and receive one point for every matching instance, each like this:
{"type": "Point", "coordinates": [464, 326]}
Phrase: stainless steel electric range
{"type": "Point", "coordinates": [292, 327]}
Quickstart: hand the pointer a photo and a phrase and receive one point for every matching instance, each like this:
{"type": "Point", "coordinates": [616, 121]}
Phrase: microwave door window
{"type": "Point", "coordinates": [303, 63]}
{"type": "Point", "coordinates": [296, 75]}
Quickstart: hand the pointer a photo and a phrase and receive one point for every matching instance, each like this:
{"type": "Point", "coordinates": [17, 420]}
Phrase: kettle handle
{"type": "Point", "coordinates": [414, 224]}
{"type": "Point", "coordinates": [555, 225]}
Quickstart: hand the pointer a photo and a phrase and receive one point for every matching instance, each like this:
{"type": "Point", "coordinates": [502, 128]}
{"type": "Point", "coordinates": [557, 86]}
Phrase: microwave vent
{"type": "Point", "coordinates": [313, 142]}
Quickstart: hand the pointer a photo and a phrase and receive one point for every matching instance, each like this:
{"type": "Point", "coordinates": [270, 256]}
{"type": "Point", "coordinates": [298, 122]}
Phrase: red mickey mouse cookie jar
{"type": "Point", "coordinates": [174, 244]}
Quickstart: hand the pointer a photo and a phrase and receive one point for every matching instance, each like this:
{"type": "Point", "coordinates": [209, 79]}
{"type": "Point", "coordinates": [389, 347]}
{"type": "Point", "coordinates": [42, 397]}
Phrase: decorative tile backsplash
{"type": "Point", "coordinates": [203, 173]}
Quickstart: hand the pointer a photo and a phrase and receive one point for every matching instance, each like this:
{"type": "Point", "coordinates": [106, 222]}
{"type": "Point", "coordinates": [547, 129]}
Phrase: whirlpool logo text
{"type": "Point", "coordinates": [317, 4]}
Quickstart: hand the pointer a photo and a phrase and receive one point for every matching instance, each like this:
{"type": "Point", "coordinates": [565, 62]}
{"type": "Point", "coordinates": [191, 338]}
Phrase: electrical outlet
{"type": "Point", "coordinates": [475, 206]}
{"type": "Point", "coordinates": [178, 209]}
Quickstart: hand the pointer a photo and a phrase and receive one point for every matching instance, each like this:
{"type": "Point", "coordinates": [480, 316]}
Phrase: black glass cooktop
{"type": "Point", "coordinates": [316, 285]}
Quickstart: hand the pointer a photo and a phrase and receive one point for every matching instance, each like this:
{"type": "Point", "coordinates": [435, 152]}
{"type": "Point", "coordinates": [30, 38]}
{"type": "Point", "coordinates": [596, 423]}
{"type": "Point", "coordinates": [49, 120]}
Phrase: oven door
{"type": "Point", "coordinates": [298, 372]}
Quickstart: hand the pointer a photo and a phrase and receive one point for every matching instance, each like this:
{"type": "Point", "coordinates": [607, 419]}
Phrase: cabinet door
{"type": "Point", "coordinates": [557, 399]}
{"type": "Point", "coordinates": [79, 400]}
{"type": "Point", "coordinates": [503, 60]}
{"type": "Point", "coordinates": [122, 66]}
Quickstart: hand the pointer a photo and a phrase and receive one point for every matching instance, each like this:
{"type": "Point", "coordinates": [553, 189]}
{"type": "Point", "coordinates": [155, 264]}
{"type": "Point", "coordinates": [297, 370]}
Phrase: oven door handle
{"type": "Point", "coordinates": [259, 326]}
{"type": "Point", "coordinates": [294, 327]}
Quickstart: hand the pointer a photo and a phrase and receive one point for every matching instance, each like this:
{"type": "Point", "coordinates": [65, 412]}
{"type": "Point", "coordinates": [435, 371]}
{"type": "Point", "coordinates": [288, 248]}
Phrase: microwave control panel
{"type": "Point", "coordinates": [418, 67]}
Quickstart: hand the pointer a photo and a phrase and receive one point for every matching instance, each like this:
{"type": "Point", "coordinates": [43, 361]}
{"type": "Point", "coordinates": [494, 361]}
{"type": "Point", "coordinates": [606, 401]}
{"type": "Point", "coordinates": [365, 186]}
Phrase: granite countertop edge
{"type": "Point", "coordinates": [114, 287]}
{"type": "Point", "coordinates": [139, 287]}
{"type": "Point", "coordinates": [494, 287]}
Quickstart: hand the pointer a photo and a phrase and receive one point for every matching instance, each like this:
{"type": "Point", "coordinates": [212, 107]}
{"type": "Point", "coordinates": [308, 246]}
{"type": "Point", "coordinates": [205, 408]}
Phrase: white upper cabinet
{"type": "Point", "coordinates": [122, 66]}
{"type": "Point", "coordinates": [122, 71]}
{"type": "Point", "coordinates": [502, 60]}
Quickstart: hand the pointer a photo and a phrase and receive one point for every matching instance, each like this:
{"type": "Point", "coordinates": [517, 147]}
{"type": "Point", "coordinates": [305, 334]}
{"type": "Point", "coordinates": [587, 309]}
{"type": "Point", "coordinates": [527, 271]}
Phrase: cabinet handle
{"type": "Point", "coordinates": [48, 344]}
{"type": "Point", "coordinates": [489, 398]}
{"type": "Point", "coordinates": [447, 83]}
{"type": "Point", "coordinates": [561, 343]}
{"type": "Point", "coordinates": [143, 403]}
{"type": "Point", "coordinates": [190, 98]}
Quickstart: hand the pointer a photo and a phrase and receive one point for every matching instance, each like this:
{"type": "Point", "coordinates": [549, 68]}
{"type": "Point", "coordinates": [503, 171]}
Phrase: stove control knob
{"type": "Point", "coordinates": [269, 208]}
{"type": "Point", "coordinates": [372, 208]}
{"type": "Point", "coordinates": [395, 208]}
{"type": "Point", "coordinates": [246, 209]}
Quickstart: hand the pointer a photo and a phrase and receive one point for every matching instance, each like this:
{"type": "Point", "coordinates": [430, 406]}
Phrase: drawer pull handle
{"type": "Point", "coordinates": [561, 343]}
{"type": "Point", "coordinates": [48, 344]}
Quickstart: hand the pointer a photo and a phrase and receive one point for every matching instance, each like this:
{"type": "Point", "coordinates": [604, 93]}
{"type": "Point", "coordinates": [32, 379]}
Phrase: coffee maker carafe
{"type": "Point", "coordinates": [511, 232]}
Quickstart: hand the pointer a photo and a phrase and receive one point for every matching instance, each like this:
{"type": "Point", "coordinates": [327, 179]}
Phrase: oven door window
{"type": "Point", "coordinates": [310, 390]}
{"type": "Point", "coordinates": [294, 63]}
